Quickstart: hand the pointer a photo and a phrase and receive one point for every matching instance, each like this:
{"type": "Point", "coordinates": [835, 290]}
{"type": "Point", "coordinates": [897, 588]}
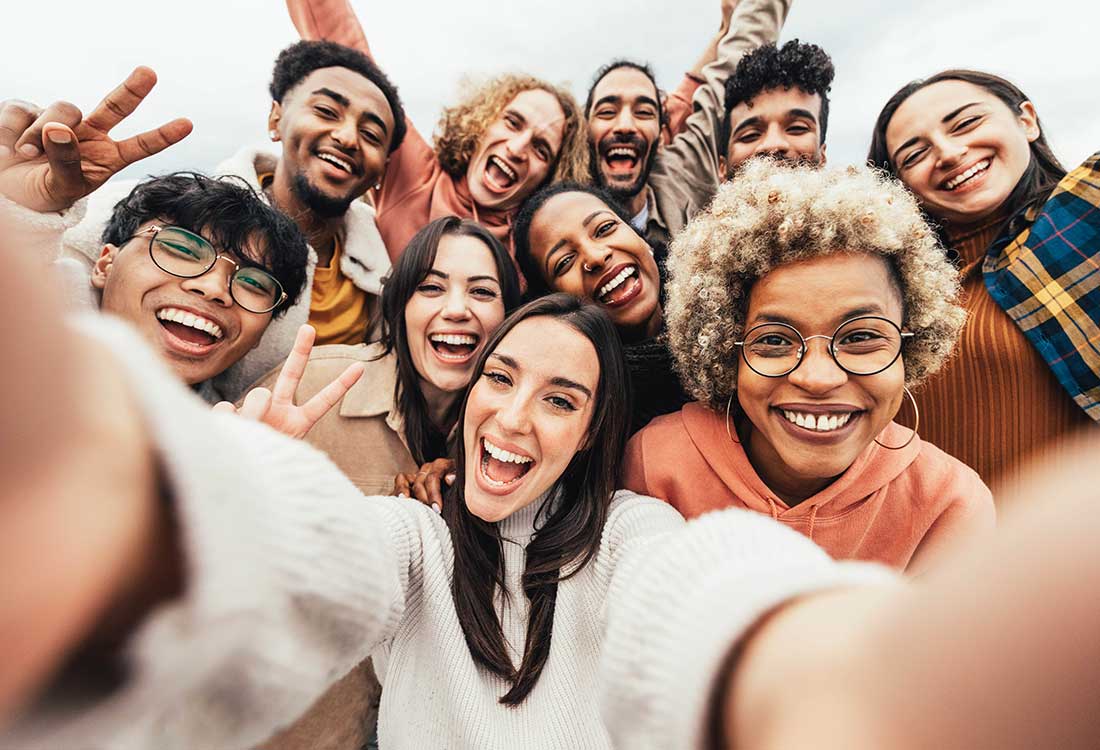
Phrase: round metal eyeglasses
{"type": "Point", "coordinates": [186, 255]}
{"type": "Point", "coordinates": [861, 346]}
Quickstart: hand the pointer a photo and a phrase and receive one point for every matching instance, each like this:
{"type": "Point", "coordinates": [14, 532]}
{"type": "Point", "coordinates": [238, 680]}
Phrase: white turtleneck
{"type": "Point", "coordinates": [294, 577]}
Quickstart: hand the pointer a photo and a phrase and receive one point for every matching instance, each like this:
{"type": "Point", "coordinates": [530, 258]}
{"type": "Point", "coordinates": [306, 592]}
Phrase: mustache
{"type": "Point", "coordinates": [624, 139]}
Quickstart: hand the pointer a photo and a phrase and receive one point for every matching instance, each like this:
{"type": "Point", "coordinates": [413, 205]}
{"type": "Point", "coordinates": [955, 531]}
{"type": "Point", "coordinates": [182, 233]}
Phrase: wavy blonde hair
{"type": "Point", "coordinates": [461, 127]}
{"type": "Point", "coordinates": [771, 214]}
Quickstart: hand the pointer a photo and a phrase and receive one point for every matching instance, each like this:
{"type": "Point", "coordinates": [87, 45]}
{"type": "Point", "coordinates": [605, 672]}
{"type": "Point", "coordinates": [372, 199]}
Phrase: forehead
{"type": "Point", "coordinates": [774, 104]}
{"type": "Point", "coordinates": [926, 107]}
{"type": "Point", "coordinates": [628, 83]}
{"type": "Point", "coordinates": [822, 290]}
{"type": "Point", "coordinates": [363, 94]}
{"type": "Point", "coordinates": [462, 256]}
{"type": "Point", "coordinates": [561, 216]}
{"type": "Point", "coordinates": [542, 112]}
{"type": "Point", "coordinates": [546, 348]}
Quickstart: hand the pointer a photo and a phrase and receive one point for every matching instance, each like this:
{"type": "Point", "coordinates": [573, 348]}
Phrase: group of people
{"type": "Point", "coordinates": [491, 441]}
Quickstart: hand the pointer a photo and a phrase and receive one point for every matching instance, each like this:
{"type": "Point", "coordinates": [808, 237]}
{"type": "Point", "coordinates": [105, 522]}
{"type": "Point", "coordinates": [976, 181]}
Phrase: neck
{"type": "Point", "coordinates": [636, 203]}
{"type": "Point", "coordinates": [319, 232]}
{"type": "Point", "coordinates": [648, 330]}
{"type": "Point", "coordinates": [440, 403]}
{"type": "Point", "coordinates": [788, 486]}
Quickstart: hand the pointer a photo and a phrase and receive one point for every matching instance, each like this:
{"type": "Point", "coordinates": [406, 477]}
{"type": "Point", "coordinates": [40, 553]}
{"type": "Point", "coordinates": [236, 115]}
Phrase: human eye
{"type": "Point", "coordinates": [605, 228]}
{"type": "Point", "coordinates": [371, 136]}
{"type": "Point", "coordinates": [430, 288]}
{"type": "Point", "coordinates": [483, 293]}
{"type": "Point", "coordinates": [326, 112]}
{"type": "Point", "coordinates": [605, 112]}
{"type": "Point", "coordinates": [179, 248]}
{"type": "Point", "coordinates": [913, 157]}
{"type": "Point", "coordinates": [966, 123]}
{"type": "Point", "coordinates": [543, 151]}
{"type": "Point", "coordinates": [497, 378]}
{"type": "Point", "coordinates": [256, 279]}
{"type": "Point", "coordinates": [748, 136]}
{"type": "Point", "coordinates": [798, 129]}
{"type": "Point", "coordinates": [771, 344]}
{"type": "Point", "coordinates": [561, 403]}
{"type": "Point", "coordinates": [646, 112]}
{"type": "Point", "coordinates": [563, 264]}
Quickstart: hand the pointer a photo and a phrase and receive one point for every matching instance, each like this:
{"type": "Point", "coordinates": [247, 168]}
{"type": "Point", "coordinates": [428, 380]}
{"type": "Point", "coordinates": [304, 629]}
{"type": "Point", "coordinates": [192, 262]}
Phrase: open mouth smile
{"type": "Point", "coordinates": [827, 424]}
{"type": "Point", "coordinates": [962, 179]}
{"type": "Point", "coordinates": [619, 285]}
{"type": "Point", "coordinates": [501, 468]}
{"type": "Point", "coordinates": [500, 174]}
{"type": "Point", "coordinates": [454, 347]}
{"type": "Point", "coordinates": [189, 331]}
{"type": "Point", "coordinates": [820, 423]}
{"type": "Point", "coordinates": [339, 162]}
{"type": "Point", "coordinates": [621, 158]}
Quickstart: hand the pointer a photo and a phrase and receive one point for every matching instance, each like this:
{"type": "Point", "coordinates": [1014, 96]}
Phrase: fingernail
{"type": "Point", "coordinates": [450, 478]}
{"type": "Point", "coordinates": [59, 136]}
{"type": "Point", "coordinates": [5, 152]}
{"type": "Point", "coordinates": [28, 149]}
{"type": "Point", "coordinates": [402, 494]}
{"type": "Point", "coordinates": [436, 508]}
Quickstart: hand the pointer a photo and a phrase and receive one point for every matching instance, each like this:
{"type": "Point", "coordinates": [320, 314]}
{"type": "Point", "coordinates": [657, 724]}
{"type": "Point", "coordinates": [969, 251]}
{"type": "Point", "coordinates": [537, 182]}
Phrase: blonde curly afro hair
{"type": "Point", "coordinates": [461, 126]}
{"type": "Point", "coordinates": [773, 213]}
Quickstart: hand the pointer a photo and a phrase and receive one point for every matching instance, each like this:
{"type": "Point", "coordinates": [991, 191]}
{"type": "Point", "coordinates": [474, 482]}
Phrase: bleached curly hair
{"type": "Point", "coordinates": [460, 127]}
{"type": "Point", "coordinates": [774, 213]}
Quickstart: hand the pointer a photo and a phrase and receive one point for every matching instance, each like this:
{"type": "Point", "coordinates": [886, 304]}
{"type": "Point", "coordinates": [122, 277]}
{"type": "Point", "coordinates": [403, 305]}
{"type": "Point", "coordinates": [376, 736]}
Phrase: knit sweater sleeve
{"type": "Point", "coordinates": [681, 596]}
{"type": "Point", "coordinates": [291, 578]}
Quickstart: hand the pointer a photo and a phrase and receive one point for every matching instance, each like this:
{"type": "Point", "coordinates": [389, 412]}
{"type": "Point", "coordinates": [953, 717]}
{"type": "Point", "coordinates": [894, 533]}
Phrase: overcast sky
{"type": "Point", "coordinates": [214, 58]}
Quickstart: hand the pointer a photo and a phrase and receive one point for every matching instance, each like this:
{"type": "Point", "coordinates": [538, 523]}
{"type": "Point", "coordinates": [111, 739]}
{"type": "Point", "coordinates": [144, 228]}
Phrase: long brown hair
{"type": "Point", "coordinates": [425, 440]}
{"type": "Point", "coordinates": [568, 529]}
{"type": "Point", "coordinates": [1043, 172]}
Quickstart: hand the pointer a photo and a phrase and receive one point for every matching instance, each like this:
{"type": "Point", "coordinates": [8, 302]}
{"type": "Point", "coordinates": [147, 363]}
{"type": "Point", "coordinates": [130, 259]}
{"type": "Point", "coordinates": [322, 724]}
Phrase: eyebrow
{"type": "Point", "coordinates": [557, 380]}
{"type": "Point", "coordinates": [343, 101]}
{"type": "Point", "coordinates": [946, 119]}
{"type": "Point", "coordinates": [855, 312]}
{"type": "Point", "coordinates": [469, 279]}
{"type": "Point", "coordinates": [616, 99]}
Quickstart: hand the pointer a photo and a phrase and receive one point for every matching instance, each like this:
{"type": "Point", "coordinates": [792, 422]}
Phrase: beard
{"type": "Point", "coordinates": [620, 192]}
{"type": "Point", "coordinates": [325, 206]}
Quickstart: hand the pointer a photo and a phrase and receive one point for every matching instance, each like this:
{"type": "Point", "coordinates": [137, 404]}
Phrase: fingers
{"type": "Point", "coordinates": [418, 490]}
{"type": "Point", "coordinates": [29, 144]}
{"type": "Point", "coordinates": [434, 491]}
{"type": "Point", "coordinates": [401, 485]}
{"type": "Point", "coordinates": [256, 404]}
{"type": "Point", "coordinates": [15, 117]}
{"type": "Point", "coordinates": [154, 141]}
{"type": "Point", "coordinates": [331, 394]}
{"type": "Point", "coordinates": [291, 375]}
{"type": "Point", "coordinates": [66, 179]}
{"type": "Point", "coordinates": [223, 407]}
{"type": "Point", "coordinates": [121, 103]}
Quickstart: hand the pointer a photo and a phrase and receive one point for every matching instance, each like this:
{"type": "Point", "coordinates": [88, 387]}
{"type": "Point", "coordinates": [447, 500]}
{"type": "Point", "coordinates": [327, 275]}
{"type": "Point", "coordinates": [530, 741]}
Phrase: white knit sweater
{"type": "Point", "coordinates": [293, 577]}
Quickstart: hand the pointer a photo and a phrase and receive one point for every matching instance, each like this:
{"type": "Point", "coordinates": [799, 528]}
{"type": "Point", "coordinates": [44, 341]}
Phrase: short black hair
{"type": "Point", "coordinates": [228, 213]}
{"type": "Point", "coordinates": [521, 229]}
{"type": "Point", "coordinates": [634, 65]}
{"type": "Point", "coordinates": [302, 58]}
{"type": "Point", "coordinates": [794, 65]}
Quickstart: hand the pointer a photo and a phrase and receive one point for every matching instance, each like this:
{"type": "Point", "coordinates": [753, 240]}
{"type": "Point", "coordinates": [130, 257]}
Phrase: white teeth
{"type": "Point", "coordinates": [506, 456]}
{"type": "Point", "coordinates": [622, 151]}
{"type": "Point", "coordinates": [620, 277]}
{"type": "Point", "coordinates": [820, 423]}
{"type": "Point", "coordinates": [175, 315]}
{"type": "Point", "coordinates": [455, 339]}
{"type": "Point", "coordinates": [346, 166]}
{"type": "Point", "coordinates": [957, 180]}
{"type": "Point", "coordinates": [504, 167]}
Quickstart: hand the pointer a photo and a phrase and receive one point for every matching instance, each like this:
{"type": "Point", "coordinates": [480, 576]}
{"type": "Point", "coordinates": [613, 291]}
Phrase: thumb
{"type": "Point", "coordinates": [256, 404]}
{"type": "Point", "coordinates": [66, 180]}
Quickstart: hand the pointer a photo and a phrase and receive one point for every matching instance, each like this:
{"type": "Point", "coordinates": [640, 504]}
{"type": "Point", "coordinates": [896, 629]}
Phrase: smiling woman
{"type": "Point", "coordinates": [801, 305]}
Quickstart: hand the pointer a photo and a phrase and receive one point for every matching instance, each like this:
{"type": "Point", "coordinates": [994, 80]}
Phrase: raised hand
{"type": "Point", "coordinates": [276, 408]}
{"type": "Point", "coordinates": [51, 158]}
{"type": "Point", "coordinates": [427, 484]}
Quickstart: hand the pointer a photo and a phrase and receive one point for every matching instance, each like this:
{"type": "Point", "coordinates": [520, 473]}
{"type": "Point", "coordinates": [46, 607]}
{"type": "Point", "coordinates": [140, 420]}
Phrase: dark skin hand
{"type": "Point", "coordinates": [426, 485]}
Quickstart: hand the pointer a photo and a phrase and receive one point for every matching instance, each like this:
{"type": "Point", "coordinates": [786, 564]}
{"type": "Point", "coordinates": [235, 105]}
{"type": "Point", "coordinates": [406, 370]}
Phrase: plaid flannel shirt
{"type": "Point", "coordinates": [1047, 279]}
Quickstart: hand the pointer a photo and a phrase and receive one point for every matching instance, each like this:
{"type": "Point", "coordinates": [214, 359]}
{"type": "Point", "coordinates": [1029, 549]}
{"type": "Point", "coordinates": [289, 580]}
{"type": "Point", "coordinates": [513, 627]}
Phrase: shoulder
{"type": "Point", "coordinates": [940, 478]}
{"type": "Point", "coordinates": [327, 362]}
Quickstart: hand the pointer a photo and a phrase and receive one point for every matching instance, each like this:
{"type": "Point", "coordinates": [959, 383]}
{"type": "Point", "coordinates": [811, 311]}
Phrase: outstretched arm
{"type": "Point", "coordinates": [678, 102]}
{"type": "Point", "coordinates": [330, 20]}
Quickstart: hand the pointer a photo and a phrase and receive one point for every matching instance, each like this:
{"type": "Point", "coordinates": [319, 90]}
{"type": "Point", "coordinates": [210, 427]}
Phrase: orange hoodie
{"type": "Point", "coordinates": [890, 506]}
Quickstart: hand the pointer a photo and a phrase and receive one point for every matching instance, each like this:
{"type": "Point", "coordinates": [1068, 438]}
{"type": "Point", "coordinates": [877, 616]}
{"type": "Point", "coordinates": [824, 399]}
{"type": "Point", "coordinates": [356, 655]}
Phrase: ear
{"type": "Point", "coordinates": [1029, 121]}
{"type": "Point", "coordinates": [103, 266]}
{"type": "Point", "coordinates": [823, 157]}
{"type": "Point", "coordinates": [273, 120]}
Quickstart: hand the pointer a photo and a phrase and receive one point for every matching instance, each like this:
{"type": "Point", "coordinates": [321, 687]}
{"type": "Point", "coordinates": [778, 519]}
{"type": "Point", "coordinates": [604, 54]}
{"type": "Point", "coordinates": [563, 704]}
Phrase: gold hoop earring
{"type": "Point", "coordinates": [728, 431]}
{"type": "Point", "coordinates": [916, 424]}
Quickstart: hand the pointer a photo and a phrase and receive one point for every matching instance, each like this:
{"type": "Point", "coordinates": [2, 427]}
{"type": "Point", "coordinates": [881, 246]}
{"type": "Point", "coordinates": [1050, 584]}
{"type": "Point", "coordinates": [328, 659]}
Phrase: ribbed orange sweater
{"type": "Point", "coordinates": [898, 507]}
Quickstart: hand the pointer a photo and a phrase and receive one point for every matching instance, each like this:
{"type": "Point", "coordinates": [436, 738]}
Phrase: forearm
{"type": "Point", "coordinates": [330, 20]}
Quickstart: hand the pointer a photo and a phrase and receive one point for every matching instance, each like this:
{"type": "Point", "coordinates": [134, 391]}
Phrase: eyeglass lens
{"type": "Point", "coordinates": [182, 253]}
{"type": "Point", "coordinates": [862, 346]}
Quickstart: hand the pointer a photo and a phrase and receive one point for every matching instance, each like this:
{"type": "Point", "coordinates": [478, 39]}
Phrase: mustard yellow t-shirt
{"type": "Point", "coordinates": [338, 309]}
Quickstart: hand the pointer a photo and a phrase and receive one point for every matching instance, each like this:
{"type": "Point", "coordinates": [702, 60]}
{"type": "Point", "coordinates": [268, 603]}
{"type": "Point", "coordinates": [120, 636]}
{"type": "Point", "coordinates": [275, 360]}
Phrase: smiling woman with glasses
{"type": "Point", "coordinates": [801, 307]}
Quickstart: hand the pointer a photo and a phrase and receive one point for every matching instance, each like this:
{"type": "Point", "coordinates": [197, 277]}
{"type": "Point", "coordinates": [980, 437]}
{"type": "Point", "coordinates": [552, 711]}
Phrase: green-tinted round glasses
{"type": "Point", "coordinates": [184, 254]}
{"type": "Point", "coordinates": [861, 346]}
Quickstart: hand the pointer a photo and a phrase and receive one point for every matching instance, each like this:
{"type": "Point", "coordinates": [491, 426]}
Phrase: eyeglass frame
{"type": "Point", "coordinates": [218, 255]}
{"type": "Point", "coordinates": [832, 351]}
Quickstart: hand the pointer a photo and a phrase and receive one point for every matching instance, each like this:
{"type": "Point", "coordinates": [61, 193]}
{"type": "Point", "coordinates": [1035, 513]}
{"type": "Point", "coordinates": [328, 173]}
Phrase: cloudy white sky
{"type": "Point", "coordinates": [214, 56]}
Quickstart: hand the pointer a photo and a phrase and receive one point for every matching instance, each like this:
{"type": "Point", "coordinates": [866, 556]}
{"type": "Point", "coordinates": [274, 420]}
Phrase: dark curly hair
{"type": "Point", "coordinates": [521, 229]}
{"type": "Point", "coordinates": [806, 67]}
{"type": "Point", "coordinates": [642, 68]}
{"type": "Point", "coordinates": [299, 60]}
{"type": "Point", "coordinates": [228, 213]}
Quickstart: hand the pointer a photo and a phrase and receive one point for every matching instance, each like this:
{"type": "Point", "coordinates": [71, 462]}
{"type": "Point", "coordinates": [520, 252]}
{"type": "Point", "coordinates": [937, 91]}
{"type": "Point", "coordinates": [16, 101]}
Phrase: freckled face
{"type": "Point", "coordinates": [816, 296]}
{"type": "Point", "coordinates": [583, 248]}
{"type": "Point", "coordinates": [960, 149]}
{"type": "Point", "coordinates": [527, 415]}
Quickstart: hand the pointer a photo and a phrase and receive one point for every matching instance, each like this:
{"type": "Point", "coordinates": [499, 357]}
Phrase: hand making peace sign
{"type": "Point", "coordinates": [276, 408]}
{"type": "Point", "coordinates": [51, 158]}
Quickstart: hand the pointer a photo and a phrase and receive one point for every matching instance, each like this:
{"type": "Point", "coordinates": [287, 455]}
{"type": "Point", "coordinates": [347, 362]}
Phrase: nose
{"type": "Point", "coordinates": [774, 142]}
{"type": "Point", "coordinates": [214, 284]}
{"type": "Point", "coordinates": [518, 144]}
{"type": "Point", "coordinates": [514, 416]}
{"type": "Point", "coordinates": [818, 372]}
{"type": "Point", "coordinates": [594, 257]}
{"type": "Point", "coordinates": [949, 151]}
{"type": "Point", "coordinates": [346, 133]}
{"type": "Point", "coordinates": [455, 305]}
{"type": "Point", "coordinates": [624, 122]}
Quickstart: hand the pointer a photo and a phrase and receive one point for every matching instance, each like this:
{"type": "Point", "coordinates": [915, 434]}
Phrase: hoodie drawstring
{"type": "Point", "coordinates": [771, 506]}
{"type": "Point", "coordinates": [813, 518]}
